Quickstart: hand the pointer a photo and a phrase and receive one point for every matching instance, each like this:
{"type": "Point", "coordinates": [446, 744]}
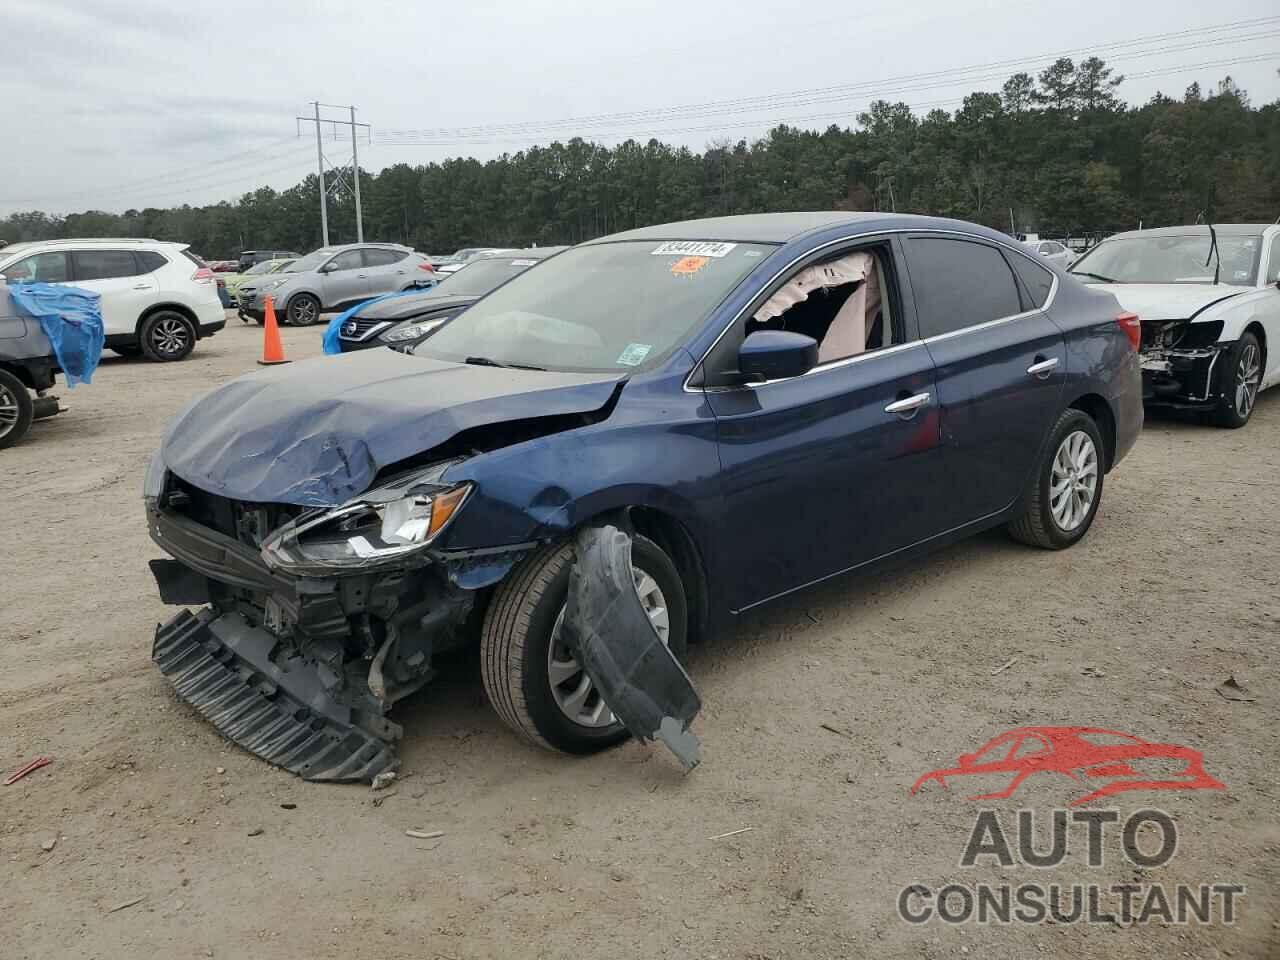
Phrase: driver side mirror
{"type": "Point", "coordinates": [776, 355]}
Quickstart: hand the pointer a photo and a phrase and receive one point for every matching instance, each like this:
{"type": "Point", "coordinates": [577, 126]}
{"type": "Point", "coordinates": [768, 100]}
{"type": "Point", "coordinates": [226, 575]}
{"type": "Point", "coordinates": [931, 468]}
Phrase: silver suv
{"type": "Point", "coordinates": [334, 278]}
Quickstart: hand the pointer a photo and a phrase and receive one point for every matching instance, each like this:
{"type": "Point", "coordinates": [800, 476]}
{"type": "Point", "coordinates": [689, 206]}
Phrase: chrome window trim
{"type": "Point", "coordinates": [834, 364]}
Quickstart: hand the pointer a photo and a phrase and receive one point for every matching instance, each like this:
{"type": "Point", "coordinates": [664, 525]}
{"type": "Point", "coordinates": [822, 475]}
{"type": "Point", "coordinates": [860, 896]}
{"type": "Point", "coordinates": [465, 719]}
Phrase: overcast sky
{"type": "Point", "coordinates": [112, 104]}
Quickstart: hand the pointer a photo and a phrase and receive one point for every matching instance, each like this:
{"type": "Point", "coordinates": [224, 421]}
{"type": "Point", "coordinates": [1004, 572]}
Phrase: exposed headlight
{"type": "Point", "coordinates": [153, 482]}
{"type": "Point", "coordinates": [381, 526]}
{"type": "Point", "coordinates": [410, 331]}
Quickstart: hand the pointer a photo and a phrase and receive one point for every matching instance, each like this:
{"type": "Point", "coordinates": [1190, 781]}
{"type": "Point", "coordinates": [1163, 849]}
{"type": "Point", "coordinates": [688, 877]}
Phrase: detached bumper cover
{"type": "Point", "coordinates": [282, 712]}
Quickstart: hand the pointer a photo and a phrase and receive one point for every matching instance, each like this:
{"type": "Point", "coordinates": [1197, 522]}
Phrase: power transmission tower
{"type": "Point", "coordinates": [320, 160]}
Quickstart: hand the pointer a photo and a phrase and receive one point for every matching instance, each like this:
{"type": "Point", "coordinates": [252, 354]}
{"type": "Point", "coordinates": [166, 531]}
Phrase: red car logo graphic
{"type": "Point", "coordinates": [1081, 753]}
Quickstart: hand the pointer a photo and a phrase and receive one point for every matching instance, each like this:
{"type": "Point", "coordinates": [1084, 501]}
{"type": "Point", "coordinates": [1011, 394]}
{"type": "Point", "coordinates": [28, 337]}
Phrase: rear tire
{"type": "Point", "coordinates": [16, 409]}
{"type": "Point", "coordinates": [1239, 378]}
{"type": "Point", "coordinates": [303, 310]}
{"type": "Point", "coordinates": [167, 336]}
{"type": "Point", "coordinates": [515, 644]}
{"type": "Point", "coordinates": [1055, 516]}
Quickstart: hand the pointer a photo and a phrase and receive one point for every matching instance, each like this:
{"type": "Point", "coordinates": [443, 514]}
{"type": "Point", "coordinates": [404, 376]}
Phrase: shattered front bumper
{"type": "Point", "coordinates": [299, 671]}
{"type": "Point", "coordinates": [1180, 364]}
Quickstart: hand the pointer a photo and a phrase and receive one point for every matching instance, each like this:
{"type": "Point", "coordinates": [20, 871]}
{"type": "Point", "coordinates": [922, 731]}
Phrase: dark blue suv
{"type": "Point", "coordinates": [769, 401]}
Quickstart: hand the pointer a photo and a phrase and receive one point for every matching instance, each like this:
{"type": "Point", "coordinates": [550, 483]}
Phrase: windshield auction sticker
{"type": "Point", "coordinates": [1077, 864]}
{"type": "Point", "coordinates": [693, 248]}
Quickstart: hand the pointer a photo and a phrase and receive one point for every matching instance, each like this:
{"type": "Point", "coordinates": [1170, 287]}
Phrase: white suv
{"type": "Point", "coordinates": [157, 298]}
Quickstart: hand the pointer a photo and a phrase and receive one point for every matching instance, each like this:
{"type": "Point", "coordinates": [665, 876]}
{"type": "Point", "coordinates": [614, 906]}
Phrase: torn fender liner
{"type": "Point", "coordinates": [286, 715]}
{"type": "Point", "coordinates": [316, 433]}
{"type": "Point", "coordinates": [613, 639]}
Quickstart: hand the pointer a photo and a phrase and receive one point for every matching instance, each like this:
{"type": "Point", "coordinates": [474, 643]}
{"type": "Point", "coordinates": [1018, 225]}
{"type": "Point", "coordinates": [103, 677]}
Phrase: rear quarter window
{"type": "Point", "coordinates": [1036, 280]}
{"type": "Point", "coordinates": [149, 261]}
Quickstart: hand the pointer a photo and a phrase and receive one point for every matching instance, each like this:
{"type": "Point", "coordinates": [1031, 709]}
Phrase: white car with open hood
{"type": "Point", "coordinates": [1208, 297]}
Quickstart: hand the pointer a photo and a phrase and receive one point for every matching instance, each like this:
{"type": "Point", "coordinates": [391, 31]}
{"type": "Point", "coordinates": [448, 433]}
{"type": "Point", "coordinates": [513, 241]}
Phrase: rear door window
{"type": "Point", "coordinates": [959, 284]}
{"type": "Point", "coordinates": [40, 268]}
{"type": "Point", "coordinates": [383, 258]}
{"type": "Point", "coordinates": [149, 261]}
{"type": "Point", "coordinates": [103, 264]}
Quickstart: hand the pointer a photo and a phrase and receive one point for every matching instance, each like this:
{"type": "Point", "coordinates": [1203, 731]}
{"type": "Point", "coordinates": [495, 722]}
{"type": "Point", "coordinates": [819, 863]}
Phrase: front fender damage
{"type": "Point", "coordinates": [612, 638]}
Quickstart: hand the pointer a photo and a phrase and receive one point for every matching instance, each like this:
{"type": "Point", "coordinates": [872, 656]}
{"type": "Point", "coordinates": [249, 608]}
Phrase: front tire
{"type": "Point", "coordinates": [303, 310]}
{"type": "Point", "coordinates": [1066, 487]}
{"type": "Point", "coordinates": [167, 336]}
{"type": "Point", "coordinates": [1240, 377]}
{"type": "Point", "coordinates": [16, 409]}
{"type": "Point", "coordinates": [531, 681]}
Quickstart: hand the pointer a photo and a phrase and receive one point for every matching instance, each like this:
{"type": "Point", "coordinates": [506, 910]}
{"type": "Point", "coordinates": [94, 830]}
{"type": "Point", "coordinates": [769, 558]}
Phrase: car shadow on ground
{"type": "Point", "coordinates": [453, 707]}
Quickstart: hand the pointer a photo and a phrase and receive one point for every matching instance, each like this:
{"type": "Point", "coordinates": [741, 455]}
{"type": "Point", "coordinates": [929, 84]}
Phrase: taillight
{"type": "Point", "coordinates": [1132, 328]}
{"type": "Point", "coordinates": [427, 267]}
{"type": "Point", "coordinates": [203, 275]}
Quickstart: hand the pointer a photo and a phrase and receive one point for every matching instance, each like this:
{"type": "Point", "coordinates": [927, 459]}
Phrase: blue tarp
{"type": "Point", "coordinates": [331, 345]}
{"type": "Point", "coordinates": [72, 320]}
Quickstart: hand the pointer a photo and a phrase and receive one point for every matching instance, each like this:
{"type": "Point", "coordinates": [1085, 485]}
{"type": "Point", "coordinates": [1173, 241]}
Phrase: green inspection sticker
{"type": "Point", "coordinates": [634, 354]}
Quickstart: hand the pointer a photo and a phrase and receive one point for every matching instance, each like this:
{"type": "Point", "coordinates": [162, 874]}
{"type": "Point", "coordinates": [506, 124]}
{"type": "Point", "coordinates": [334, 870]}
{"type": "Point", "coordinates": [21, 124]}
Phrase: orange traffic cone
{"type": "Point", "coordinates": [272, 348]}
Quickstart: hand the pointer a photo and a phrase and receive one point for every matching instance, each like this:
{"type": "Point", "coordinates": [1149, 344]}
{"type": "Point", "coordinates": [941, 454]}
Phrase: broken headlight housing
{"type": "Point", "coordinates": [383, 525]}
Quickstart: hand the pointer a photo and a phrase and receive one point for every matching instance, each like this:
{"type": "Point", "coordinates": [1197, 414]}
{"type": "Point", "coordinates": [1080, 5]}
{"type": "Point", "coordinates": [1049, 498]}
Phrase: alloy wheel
{"type": "Point", "coordinates": [1073, 481]}
{"type": "Point", "coordinates": [170, 337]}
{"type": "Point", "coordinates": [573, 691]}
{"type": "Point", "coordinates": [8, 411]}
{"type": "Point", "coordinates": [1248, 377]}
{"type": "Point", "coordinates": [304, 311]}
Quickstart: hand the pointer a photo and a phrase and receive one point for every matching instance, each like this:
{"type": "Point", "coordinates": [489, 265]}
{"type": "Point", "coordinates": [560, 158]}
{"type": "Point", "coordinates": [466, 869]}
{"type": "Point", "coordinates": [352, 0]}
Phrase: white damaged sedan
{"type": "Point", "coordinates": [1208, 297]}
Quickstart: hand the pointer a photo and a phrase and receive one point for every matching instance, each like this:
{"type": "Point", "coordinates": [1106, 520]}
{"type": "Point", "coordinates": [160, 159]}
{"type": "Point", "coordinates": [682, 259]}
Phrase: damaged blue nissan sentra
{"type": "Point", "coordinates": [748, 405]}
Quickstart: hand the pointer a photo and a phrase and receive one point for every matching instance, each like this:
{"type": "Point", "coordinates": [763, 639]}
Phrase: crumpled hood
{"type": "Point", "coordinates": [316, 433]}
{"type": "Point", "coordinates": [1169, 301]}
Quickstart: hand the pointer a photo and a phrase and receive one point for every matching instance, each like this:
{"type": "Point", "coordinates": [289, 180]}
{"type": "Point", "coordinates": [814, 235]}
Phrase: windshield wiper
{"type": "Point", "coordinates": [1213, 250]}
{"type": "Point", "coordinates": [1095, 276]}
{"type": "Point", "coordinates": [490, 362]}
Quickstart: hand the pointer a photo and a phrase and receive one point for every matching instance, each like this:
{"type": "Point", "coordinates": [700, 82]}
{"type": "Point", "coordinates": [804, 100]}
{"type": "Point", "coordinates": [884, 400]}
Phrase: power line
{"type": "Point", "coordinates": [843, 114]}
{"type": "Point", "coordinates": [836, 92]}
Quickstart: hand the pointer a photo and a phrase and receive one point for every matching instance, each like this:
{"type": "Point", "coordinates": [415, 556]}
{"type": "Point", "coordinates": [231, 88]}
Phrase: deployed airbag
{"type": "Point", "coordinates": [71, 319]}
{"type": "Point", "coordinates": [606, 627]}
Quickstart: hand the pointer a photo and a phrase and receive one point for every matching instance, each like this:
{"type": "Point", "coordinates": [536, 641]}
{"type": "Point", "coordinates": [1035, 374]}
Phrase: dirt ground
{"type": "Point", "coordinates": [620, 855]}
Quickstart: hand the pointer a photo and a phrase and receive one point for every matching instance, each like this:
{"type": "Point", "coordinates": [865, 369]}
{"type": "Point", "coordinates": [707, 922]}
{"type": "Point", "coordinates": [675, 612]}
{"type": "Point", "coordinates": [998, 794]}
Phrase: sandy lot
{"type": "Point", "coordinates": [1174, 589]}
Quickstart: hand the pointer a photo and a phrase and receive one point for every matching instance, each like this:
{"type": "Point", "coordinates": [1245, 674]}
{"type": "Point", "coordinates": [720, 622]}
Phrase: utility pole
{"type": "Point", "coordinates": [324, 205]}
{"type": "Point", "coordinates": [355, 163]}
{"type": "Point", "coordinates": [355, 173]}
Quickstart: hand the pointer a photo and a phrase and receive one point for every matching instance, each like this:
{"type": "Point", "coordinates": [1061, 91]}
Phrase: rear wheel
{"type": "Point", "coordinates": [1240, 378]}
{"type": "Point", "coordinates": [532, 679]}
{"type": "Point", "coordinates": [15, 409]}
{"type": "Point", "coordinates": [1066, 487]}
{"type": "Point", "coordinates": [303, 310]}
{"type": "Point", "coordinates": [167, 335]}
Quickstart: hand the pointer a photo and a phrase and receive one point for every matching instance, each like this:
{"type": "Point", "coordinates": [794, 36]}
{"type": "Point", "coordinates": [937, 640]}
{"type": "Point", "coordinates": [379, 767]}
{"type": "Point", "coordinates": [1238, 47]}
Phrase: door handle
{"type": "Point", "coordinates": [143, 286]}
{"type": "Point", "coordinates": [1042, 368]}
{"type": "Point", "coordinates": [906, 409]}
{"type": "Point", "coordinates": [362, 276]}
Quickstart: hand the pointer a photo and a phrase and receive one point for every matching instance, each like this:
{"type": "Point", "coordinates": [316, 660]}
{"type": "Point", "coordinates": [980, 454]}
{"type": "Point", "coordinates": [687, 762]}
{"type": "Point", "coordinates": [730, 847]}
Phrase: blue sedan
{"type": "Point", "coordinates": [765, 402]}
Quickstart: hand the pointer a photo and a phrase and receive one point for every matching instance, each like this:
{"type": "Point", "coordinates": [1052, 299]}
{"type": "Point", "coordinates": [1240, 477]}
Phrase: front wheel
{"type": "Point", "coordinates": [167, 335]}
{"type": "Point", "coordinates": [16, 409]}
{"type": "Point", "coordinates": [532, 679]}
{"type": "Point", "coordinates": [1066, 487]}
{"type": "Point", "coordinates": [303, 310]}
{"type": "Point", "coordinates": [1241, 376]}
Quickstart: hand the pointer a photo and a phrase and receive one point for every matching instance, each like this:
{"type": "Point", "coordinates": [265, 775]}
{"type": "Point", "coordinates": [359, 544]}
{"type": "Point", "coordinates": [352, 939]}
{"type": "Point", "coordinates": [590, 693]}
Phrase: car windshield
{"type": "Point", "coordinates": [602, 307]}
{"type": "Point", "coordinates": [1171, 259]}
{"type": "Point", "coordinates": [312, 260]}
{"type": "Point", "coordinates": [480, 276]}
{"type": "Point", "coordinates": [257, 268]}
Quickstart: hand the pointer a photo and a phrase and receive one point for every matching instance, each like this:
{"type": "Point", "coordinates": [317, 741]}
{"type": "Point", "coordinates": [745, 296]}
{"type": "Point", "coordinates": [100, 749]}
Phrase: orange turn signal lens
{"type": "Point", "coordinates": [444, 506]}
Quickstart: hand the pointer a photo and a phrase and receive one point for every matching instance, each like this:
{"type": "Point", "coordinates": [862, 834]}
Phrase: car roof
{"type": "Point", "coordinates": [528, 253]}
{"type": "Point", "coordinates": [366, 244]}
{"type": "Point", "coordinates": [12, 248]}
{"type": "Point", "coordinates": [1198, 230]}
{"type": "Point", "coordinates": [784, 227]}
